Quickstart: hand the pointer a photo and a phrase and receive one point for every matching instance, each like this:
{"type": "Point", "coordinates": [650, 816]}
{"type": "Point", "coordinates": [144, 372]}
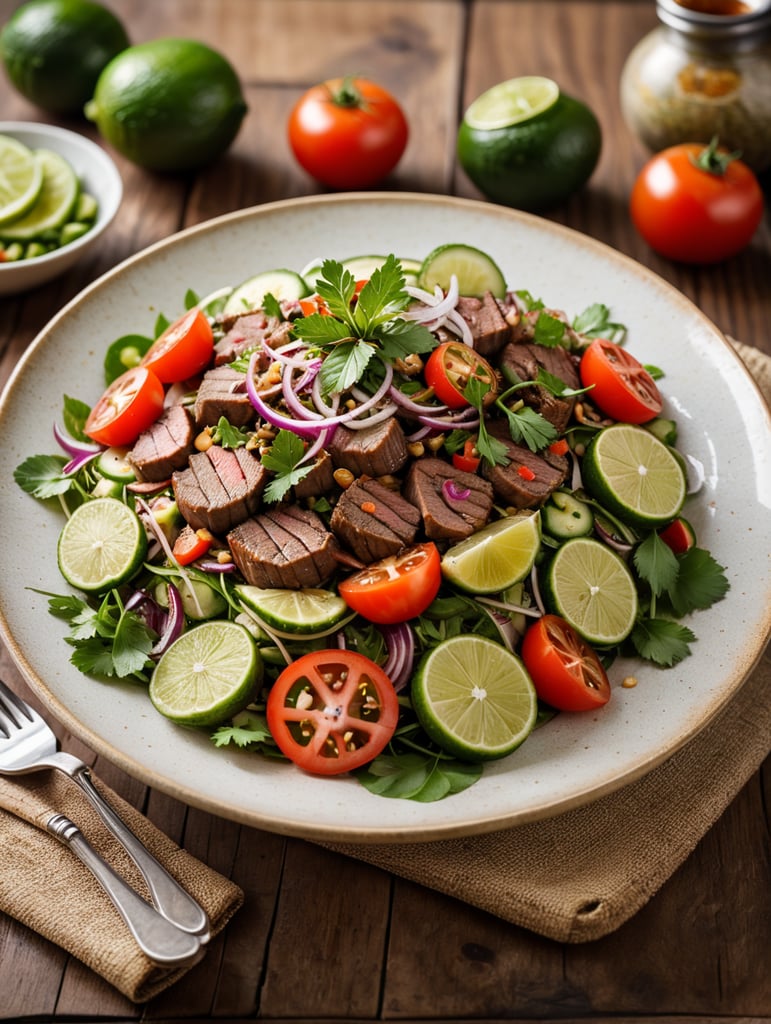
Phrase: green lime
{"type": "Point", "coordinates": [590, 585]}
{"type": "Point", "coordinates": [295, 611]}
{"type": "Point", "coordinates": [54, 51]}
{"type": "Point", "coordinates": [21, 178]}
{"type": "Point", "coordinates": [54, 203]}
{"type": "Point", "coordinates": [102, 545]}
{"type": "Point", "coordinates": [634, 474]}
{"type": "Point", "coordinates": [209, 674]}
{"type": "Point", "coordinates": [474, 698]}
{"type": "Point", "coordinates": [525, 143]}
{"type": "Point", "coordinates": [476, 272]}
{"type": "Point", "coordinates": [495, 557]}
{"type": "Point", "coordinates": [168, 104]}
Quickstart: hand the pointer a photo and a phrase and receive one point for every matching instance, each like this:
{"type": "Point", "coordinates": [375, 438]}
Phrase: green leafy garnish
{"type": "Point", "coordinates": [228, 436]}
{"type": "Point", "coordinates": [656, 563]}
{"type": "Point", "coordinates": [248, 729]}
{"type": "Point", "coordinates": [490, 448]}
{"type": "Point", "coordinates": [75, 413]}
{"type": "Point", "coordinates": [282, 458]}
{"type": "Point", "coordinates": [42, 477]}
{"type": "Point", "coordinates": [417, 776]}
{"type": "Point", "coordinates": [595, 322]}
{"type": "Point", "coordinates": [700, 582]}
{"type": "Point", "coordinates": [662, 641]}
{"type": "Point", "coordinates": [549, 330]}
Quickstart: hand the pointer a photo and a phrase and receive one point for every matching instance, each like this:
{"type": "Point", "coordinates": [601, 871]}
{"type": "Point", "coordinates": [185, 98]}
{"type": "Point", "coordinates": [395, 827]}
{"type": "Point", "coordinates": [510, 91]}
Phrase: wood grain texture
{"type": "Point", "coordinates": [322, 937]}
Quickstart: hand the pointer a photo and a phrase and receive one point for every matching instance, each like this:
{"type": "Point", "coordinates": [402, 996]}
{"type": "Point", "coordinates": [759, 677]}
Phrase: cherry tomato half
{"type": "Point", "coordinates": [621, 386]}
{"type": "Point", "coordinates": [332, 711]}
{"type": "Point", "coordinates": [129, 405]}
{"type": "Point", "coordinates": [191, 544]}
{"type": "Point", "coordinates": [348, 132]}
{"type": "Point", "coordinates": [679, 535]}
{"type": "Point", "coordinates": [396, 588]}
{"type": "Point", "coordinates": [183, 350]}
{"type": "Point", "coordinates": [696, 204]}
{"type": "Point", "coordinates": [566, 672]}
{"type": "Point", "coordinates": [449, 369]}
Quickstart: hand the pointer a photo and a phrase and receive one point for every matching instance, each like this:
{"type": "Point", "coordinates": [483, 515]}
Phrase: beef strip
{"type": "Point", "coordinates": [319, 480]}
{"type": "Point", "coordinates": [511, 487]}
{"type": "Point", "coordinates": [248, 332]}
{"type": "Point", "coordinates": [222, 393]}
{"type": "Point", "coordinates": [164, 446]}
{"type": "Point", "coordinates": [286, 547]}
{"type": "Point", "coordinates": [220, 488]}
{"type": "Point", "coordinates": [375, 451]}
{"type": "Point", "coordinates": [373, 521]}
{"type": "Point", "coordinates": [484, 316]}
{"type": "Point", "coordinates": [445, 517]}
{"type": "Point", "coordinates": [524, 360]}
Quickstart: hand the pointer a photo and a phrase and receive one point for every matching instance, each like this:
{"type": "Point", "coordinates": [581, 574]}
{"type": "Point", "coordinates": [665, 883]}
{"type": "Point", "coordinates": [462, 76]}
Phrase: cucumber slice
{"type": "Point", "coordinates": [281, 284]}
{"type": "Point", "coordinates": [664, 429]}
{"type": "Point", "coordinates": [564, 516]}
{"type": "Point", "coordinates": [476, 272]}
{"type": "Point", "coordinates": [214, 302]}
{"type": "Point", "coordinates": [113, 465]}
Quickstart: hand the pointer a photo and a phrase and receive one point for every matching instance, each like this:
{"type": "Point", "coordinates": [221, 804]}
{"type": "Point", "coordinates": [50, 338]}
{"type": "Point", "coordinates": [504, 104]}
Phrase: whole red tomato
{"type": "Point", "coordinates": [696, 204]}
{"type": "Point", "coordinates": [348, 133]}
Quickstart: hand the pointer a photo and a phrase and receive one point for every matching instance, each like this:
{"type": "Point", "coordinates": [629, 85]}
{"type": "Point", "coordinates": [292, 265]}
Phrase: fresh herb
{"type": "Point", "coordinates": [662, 641]}
{"type": "Point", "coordinates": [228, 436]}
{"type": "Point", "coordinates": [272, 307]}
{"type": "Point", "coordinates": [413, 775]}
{"type": "Point", "coordinates": [490, 448]}
{"type": "Point", "coordinates": [42, 477]}
{"type": "Point", "coordinates": [595, 322]}
{"type": "Point", "coordinates": [75, 413]}
{"type": "Point", "coordinates": [549, 330]}
{"type": "Point", "coordinates": [248, 729]}
{"type": "Point", "coordinates": [282, 458]}
{"type": "Point", "coordinates": [527, 301]}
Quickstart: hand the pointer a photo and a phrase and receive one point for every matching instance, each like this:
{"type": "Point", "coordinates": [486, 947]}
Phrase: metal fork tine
{"type": "Point", "coordinates": [12, 709]}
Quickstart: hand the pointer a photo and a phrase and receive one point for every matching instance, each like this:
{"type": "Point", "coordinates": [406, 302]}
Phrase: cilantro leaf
{"type": "Point", "coordinates": [490, 448]}
{"type": "Point", "coordinates": [191, 299]}
{"type": "Point", "coordinates": [131, 646]}
{"type": "Point", "coordinates": [595, 322]}
{"type": "Point", "coordinates": [700, 582]}
{"type": "Point", "coordinates": [527, 301]}
{"type": "Point", "coordinates": [529, 427]}
{"type": "Point", "coordinates": [92, 656]}
{"type": "Point", "coordinates": [228, 436]}
{"type": "Point", "coordinates": [662, 641]}
{"type": "Point", "coordinates": [74, 414]}
{"type": "Point", "coordinates": [321, 330]}
{"type": "Point", "coordinates": [344, 365]}
{"type": "Point", "coordinates": [656, 564]}
{"type": "Point", "coordinates": [282, 458]}
{"type": "Point", "coordinates": [248, 729]}
{"type": "Point", "coordinates": [337, 287]}
{"type": "Point", "coordinates": [42, 477]}
{"type": "Point", "coordinates": [400, 338]}
{"type": "Point", "coordinates": [381, 297]}
{"type": "Point", "coordinates": [272, 307]}
{"type": "Point", "coordinates": [549, 330]}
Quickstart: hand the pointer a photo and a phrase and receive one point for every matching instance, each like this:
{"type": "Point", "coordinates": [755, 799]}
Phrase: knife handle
{"type": "Point", "coordinates": [158, 938]}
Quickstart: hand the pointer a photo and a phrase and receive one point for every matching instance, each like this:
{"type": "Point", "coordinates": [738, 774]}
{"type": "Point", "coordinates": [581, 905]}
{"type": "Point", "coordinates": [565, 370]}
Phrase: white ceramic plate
{"type": "Point", "coordinates": [723, 422]}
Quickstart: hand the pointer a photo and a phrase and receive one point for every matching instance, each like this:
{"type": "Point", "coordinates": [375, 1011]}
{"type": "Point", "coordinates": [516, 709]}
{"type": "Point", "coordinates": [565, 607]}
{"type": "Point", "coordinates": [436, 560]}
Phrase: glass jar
{"type": "Point", "coordinates": [704, 71]}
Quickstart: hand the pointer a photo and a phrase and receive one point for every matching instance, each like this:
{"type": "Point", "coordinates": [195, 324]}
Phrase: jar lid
{"type": "Point", "coordinates": [727, 18]}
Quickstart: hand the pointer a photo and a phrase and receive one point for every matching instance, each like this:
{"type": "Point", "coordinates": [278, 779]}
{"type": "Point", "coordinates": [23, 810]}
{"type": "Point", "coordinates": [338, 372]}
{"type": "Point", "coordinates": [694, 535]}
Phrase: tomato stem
{"type": "Point", "coordinates": [712, 161]}
{"type": "Point", "coordinates": [347, 95]}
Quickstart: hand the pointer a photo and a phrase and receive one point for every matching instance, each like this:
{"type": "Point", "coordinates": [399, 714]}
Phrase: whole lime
{"type": "Point", "coordinates": [525, 143]}
{"type": "Point", "coordinates": [168, 104]}
{"type": "Point", "coordinates": [54, 51]}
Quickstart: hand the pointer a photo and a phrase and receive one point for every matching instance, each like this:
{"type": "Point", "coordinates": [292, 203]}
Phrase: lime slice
{"type": "Point", "coordinates": [102, 545]}
{"type": "Point", "coordinates": [21, 178]}
{"type": "Point", "coordinates": [207, 675]}
{"type": "Point", "coordinates": [513, 101]}
{"type": "Point", "coordinates": [295, 611]}
{"type": "Point", "coordinates": [55, 201]}
{"type": "Point", "coordinates": [476, 272]}
{"type": "Point", "coordinates": [634, 474]}
{"type": "Point", "coordinates": [474, 698]}
{"type": "Point", "coordinates": [590, 585]}
{"type": "Point", "coordinates": [495, 557]}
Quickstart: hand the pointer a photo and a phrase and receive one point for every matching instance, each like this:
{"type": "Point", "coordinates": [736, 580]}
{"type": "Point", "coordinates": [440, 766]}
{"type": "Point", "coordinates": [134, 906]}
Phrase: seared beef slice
{"type": "Point", "coordinates": [223, 393]}
{"type": "Point", "coordinates": [512, 487]}
{"type": "Point", "coordinates": [436, 488]}
{"type": "Point", "coordinates": [376, 451]}
{"type": "Point", "coordinates": [525, 360]}
{"type": "Point", "coordinates": [373, 521]}
{"type": "Point", "coordinates": [488, 327]}
{"type": "Point", "coordinates": [286, 548]}
{"type": "Point", "coordinates": [163, 447]}
{"type": "Point", "coordinates": [220, 488]}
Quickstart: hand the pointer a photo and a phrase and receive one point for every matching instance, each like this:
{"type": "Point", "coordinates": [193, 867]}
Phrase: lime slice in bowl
{"type": "Point", "coordinates": [474, 698]}
{"type": "Point", "coordinates": [21, 178]}
{"type": "Point", "coordinates": [54, 203]}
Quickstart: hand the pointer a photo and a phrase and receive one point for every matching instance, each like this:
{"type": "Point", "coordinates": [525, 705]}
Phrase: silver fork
{"type": "Point", "coordinates": [27, 744]}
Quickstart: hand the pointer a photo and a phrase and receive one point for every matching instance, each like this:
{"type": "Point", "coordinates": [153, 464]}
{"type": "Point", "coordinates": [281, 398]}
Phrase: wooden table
{"type": "Point", "coordinates": [322, 935]}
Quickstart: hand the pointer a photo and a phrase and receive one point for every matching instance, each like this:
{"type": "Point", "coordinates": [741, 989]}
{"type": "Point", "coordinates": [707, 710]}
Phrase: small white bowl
{"type": "Point", "coordinates": [98, 176]}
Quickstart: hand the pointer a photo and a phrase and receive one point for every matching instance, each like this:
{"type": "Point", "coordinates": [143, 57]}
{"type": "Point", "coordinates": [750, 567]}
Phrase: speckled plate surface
{"type": "Point", "coordinates": [573, 760]}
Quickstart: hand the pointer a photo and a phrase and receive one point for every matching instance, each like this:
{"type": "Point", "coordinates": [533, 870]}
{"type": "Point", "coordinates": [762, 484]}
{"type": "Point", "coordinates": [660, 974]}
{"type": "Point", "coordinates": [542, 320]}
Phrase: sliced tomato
{"type": "Point", "coordinates": [679, 535]}
{"type": "Point", "coordinates": [129, 405]}
{"type": "Point", "coordinates": [183, 350]}
{"type": "Point", "coordinates": [621, 386]}
{"type": "Point", "coordinates": [396, 588]}
{"type": "Point", "coordinates": [566, 672]}
{"type": "Point", "coordinates": [466, 461]}
{"type": "Point", "coordinates": [332, 711]}
{"type": "Point", "coordinates": [449, 369]}
{"type": "Point", "coordinates": [191, 544]}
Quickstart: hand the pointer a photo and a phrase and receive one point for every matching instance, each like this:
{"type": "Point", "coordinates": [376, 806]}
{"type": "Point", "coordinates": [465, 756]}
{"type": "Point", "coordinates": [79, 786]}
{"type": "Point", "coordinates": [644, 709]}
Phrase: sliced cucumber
{"type": "Point", "coordinates": [281, 284]}
{"type": "Point", "coordinates": [564, 516]}
{"type": "Point", "coordinates": [214, 302]}
{"type": "Point", "coordinates": [476, 272]}
{"type": "Point", "coordinates": [662, 428]}
{"type": "Point", "coordinates": [113, 465]}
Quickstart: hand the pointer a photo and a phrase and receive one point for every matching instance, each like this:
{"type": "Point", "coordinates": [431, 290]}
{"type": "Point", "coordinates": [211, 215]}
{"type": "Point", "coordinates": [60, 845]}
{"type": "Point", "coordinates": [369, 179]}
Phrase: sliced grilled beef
{"type": "Point", "coordinates": [515, 488]}
{"type": "Point", "coordinates": [319, 480]}
{"type": "Point", "coordinates": [223, 393]}
{"type": "Point", "coordinates": [375, 451]}
{"type": "Point", "coordinates": [433, 484]}
{"type": "Point", "coordinates": [524, 360]}
{"type": "Point", "coordinates": [163, 447]}
{"type": "Point", "coordinates": [489, 329]}
{"type": "Point", "coordinates": [249, 332]}
{"type": "Point", "coordinates": [373, 521]}
{"type": "Point", "coordinates": [220, 488]}
{"type": "Point", "coordinates": [284, 547]}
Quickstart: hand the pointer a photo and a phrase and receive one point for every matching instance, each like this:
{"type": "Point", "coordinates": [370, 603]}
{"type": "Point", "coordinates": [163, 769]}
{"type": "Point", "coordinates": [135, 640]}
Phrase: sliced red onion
{"type": "Point", "coordinates": [452, 491]}
{"type": "Point", "coordinates": [376, 417]}
{"type": "Point", "coordinates": [442, 423]}
{"type": "Point", "coordinates": [175, 622]}
{"type": "Point", "coordinates": [78, 462]}
{"type": "Point", "coordinates": [211, 565]}
{"type": "Point", "coordinates": [622, 547]}
{"type": "Point", "coordinates": [436, 305]}
{"type": "Point", "coordinates": [75, 448]}
{"type": "Point", "coordinates": [418, 408]}
{"type": "Point", "coordinates": [454, 318]}
{"type": "Point", "coordinates": [400, 643]}
{"type": "Point", "coordinates": [321, 442]}
{"type": "Point", "coordinates": [536, 589]}
{"type": "Point", "coordinates": [505, 627]}
{"type": "Point", "coordinates": [269, 414]}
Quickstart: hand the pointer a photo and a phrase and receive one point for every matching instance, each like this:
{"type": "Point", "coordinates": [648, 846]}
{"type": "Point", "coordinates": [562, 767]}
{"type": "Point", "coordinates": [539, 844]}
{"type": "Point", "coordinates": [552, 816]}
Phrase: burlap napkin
{"type": "Point", "coordinates": [580, 875]}
{"type": "Point", "coordinates": [43, 885]}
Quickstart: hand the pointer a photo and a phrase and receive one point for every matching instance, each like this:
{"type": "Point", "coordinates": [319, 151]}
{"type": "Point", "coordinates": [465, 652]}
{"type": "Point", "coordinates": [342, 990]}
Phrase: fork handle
{"type": "Point", "coordinates": [172, 901]}
{"type": "Point", "coordinates": [158, 938]}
